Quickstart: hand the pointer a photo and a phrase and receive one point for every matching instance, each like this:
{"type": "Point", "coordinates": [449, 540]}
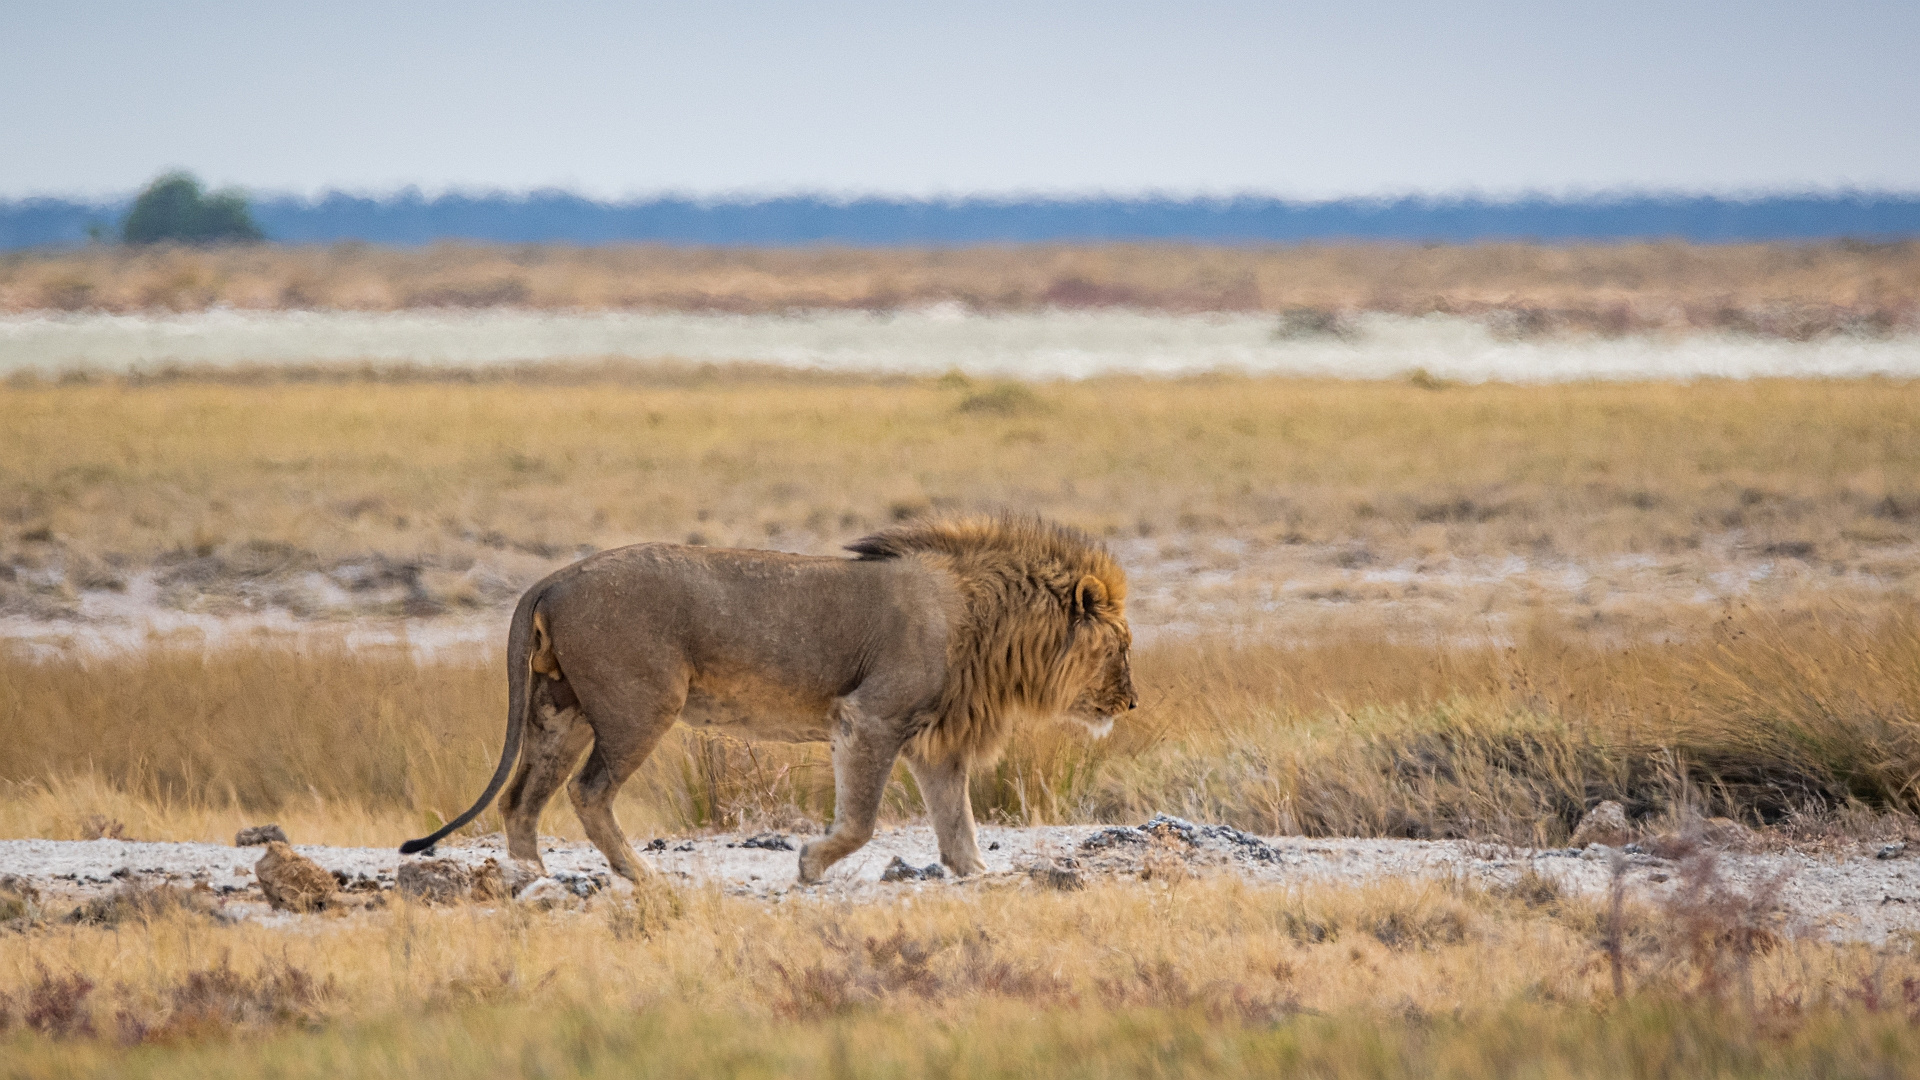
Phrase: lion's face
{"type": "Point", "coordinates": [1110, 692]}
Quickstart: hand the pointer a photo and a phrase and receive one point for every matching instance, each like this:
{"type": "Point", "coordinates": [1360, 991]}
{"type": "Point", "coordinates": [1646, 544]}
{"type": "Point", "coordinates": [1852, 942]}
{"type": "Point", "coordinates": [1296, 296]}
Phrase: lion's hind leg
{"type": "Point", "coordinates": [620, 744]}
{"type": "Point", "coordinates": [556, 736]}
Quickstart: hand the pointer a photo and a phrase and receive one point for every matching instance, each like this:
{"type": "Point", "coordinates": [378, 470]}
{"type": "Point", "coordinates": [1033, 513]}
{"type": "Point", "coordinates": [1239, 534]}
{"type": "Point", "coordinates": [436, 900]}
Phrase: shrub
{"type": "Point", "coordinates": [175, 209]}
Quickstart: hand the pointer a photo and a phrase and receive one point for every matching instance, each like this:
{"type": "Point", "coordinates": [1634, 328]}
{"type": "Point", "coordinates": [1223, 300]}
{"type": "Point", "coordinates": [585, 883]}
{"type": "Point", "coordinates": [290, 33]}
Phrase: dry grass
{"type": "Point", "coordinates": [1783, 722]}
{"type": "Point", "coordinates": [1169, 978]}
{"type": "Point", "coordinates": [441, 493]}
{"type": "Point", "coordinates": [1796, 290]}
{"type": "Point", "coordinates": [232, 493]}
{"type": "Point", "coordinates": [1764, 719]}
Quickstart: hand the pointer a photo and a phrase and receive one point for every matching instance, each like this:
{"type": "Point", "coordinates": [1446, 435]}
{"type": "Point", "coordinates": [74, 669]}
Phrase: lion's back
{"type": "Point", "coordinates": [753, 633]}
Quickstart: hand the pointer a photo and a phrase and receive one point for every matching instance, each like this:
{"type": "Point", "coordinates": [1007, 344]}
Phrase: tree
{"type": "Point", "coordinates": [174, 209]}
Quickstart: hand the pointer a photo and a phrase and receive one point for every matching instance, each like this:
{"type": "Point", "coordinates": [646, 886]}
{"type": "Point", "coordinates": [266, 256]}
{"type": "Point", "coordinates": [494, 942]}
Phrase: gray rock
{"type": "Point", "coordinates": [1890, 851]}
{"type": "Point", "coordinates": [901, 870]}
{"type": "Point", "coordinates": [580, 885]}
{"type": "Point", "coordinates": [1117, 836]}
{"type": "Point", "coordinates": [437, 881]}
{"type": "Point", "coordinates": [259, 834]}
{"type": "Point", "coordinates": [1168, 827]}
{"type": "Point", "coordinates": [546, 894]}
{"type": "Point", "coordinates": [496, 881]}
{"type": "Point", "coordinates": [1604, 824]}
{"type": "Point", "coordinates": [766, 841]}
{"type": "Point", "coordinates": [1243, 845]}
{"type": "Point", "coordinates": [1062, 874]}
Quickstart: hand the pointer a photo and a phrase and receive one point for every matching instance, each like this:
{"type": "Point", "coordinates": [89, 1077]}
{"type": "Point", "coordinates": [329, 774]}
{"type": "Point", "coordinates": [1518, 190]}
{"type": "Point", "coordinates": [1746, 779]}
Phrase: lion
{"type": "Point", "coordinates": [932, 641]}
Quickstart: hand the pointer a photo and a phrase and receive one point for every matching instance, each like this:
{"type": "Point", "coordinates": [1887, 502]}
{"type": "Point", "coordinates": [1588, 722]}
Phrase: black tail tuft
{"type": "Point", "coordinates": [519, 671]}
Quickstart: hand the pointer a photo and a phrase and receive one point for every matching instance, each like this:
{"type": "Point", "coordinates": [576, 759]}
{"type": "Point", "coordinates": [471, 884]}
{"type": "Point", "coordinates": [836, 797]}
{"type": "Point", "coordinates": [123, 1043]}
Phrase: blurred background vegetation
{"type": "Point", "coordinates": [176, 209]}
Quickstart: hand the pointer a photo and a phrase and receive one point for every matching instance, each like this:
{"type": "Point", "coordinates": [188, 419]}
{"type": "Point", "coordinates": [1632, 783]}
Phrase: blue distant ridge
{"type": "Point", "coordinates": [409, 218]}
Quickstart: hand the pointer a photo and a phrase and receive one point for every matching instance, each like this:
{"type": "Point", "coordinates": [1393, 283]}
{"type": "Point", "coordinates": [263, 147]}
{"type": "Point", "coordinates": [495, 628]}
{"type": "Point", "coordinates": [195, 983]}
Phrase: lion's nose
{"type": "Point", "coordinates": [1133, 700]}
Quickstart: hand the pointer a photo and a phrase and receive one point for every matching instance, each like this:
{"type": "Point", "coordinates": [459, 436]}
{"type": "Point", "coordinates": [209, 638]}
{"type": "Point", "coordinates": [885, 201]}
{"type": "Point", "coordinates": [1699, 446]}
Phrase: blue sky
{"type": "Point", "coordinates": [615, 99]}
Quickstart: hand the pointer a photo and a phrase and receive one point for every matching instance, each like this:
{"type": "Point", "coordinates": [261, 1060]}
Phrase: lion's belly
{"type": "Point", "coordinates": [754, 709]}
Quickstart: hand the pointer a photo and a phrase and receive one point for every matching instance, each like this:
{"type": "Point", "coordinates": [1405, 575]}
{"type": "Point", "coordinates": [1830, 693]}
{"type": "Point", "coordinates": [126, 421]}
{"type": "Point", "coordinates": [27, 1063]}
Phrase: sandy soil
{"type": "Point", "coordinates": [1858, 895]}
{"type": "Point", "coordinates": [1048, 344]}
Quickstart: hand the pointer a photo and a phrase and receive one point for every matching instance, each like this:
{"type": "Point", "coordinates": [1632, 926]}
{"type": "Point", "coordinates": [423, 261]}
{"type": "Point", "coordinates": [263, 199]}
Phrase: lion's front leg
{"type": "Point", "coordinates": [944, 786]}
{"type": "Point", "coordinates": [863, 754]}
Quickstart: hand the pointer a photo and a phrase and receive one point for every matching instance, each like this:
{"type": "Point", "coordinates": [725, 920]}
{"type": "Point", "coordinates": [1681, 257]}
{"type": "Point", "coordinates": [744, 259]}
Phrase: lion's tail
{"type": "Point", "coordinates": [520, 659]}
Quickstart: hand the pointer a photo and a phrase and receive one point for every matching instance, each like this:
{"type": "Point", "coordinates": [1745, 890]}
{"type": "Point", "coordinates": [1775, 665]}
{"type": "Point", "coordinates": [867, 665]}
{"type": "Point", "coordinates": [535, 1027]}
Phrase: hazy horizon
{"type": "Point", "coordinates": [1010, 196]}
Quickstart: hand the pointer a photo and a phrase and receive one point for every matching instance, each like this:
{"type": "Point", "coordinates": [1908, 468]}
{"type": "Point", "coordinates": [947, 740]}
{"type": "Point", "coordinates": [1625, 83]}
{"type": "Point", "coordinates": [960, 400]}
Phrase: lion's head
{"type": "Point", "coordinates": [1042, 628]}
{"type": "Point", "coordinates": [1099, 641]}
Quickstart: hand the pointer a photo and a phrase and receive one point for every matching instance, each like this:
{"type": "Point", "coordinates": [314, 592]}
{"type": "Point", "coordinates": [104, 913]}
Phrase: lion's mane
{"type": "Point", "coordinates": [1017, 579]}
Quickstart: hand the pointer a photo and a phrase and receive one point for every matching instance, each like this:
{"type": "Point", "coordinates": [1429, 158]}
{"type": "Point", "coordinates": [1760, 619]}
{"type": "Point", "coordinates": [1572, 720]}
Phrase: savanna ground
{"type": "Point", "coordinates": [1405, 609]}
{"type": "Point", "coordinates": [1800, 291]}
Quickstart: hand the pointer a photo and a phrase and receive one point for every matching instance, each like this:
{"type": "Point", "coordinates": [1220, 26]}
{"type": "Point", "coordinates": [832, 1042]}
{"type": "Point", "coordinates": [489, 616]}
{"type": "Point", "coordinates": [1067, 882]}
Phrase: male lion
{"type": "Point", "coordinates": [933, 640]}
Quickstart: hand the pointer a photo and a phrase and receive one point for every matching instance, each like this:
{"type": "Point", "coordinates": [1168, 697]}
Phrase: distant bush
{"type": "Point", "coordinates": [175, 209]}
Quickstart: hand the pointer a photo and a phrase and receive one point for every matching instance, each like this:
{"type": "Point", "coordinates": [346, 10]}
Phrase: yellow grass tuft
{"type": "Point", "coordinates": [1764, 720]}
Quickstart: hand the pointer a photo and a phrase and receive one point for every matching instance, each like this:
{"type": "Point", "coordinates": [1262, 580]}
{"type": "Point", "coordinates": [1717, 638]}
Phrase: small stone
{"type": "Point", "coordinates": [582, 885]}
{"type": "Point", "coordinates": [1605, 824]}
{"type": "Point", "coordinates": [767, 841]}
{"type": "Point", "coordinates": [1062, 874]}
{"type": "Point", "coordinates": [1890, 851]}
{"type": "Point", "coordinates": [359, 882]}
{"type": "Point", "coordinates": [1114, 836]}
{"type": "Point", "coordinates": [901, 870]}
{"type": "Point", "coordinates": [1168, 827]}
{"type": "Point", "coordinates": [1243, 845]}
{"type": "Point", "coordinates": [546, 894]}
{"type": "Point", "coordinates": [437, 881]}
{"type": "Point", "coordinates": [291, 881]}
{"type": "Point", "coordinates": [258, 835]}
{"type": "Point", "coordinates": [495, 881]}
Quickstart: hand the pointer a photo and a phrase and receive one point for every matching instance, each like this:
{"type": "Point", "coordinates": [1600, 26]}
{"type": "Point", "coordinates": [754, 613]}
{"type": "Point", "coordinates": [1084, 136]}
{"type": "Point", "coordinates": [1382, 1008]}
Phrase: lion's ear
{"type": "Point", "coordinates": [1090, 595]}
